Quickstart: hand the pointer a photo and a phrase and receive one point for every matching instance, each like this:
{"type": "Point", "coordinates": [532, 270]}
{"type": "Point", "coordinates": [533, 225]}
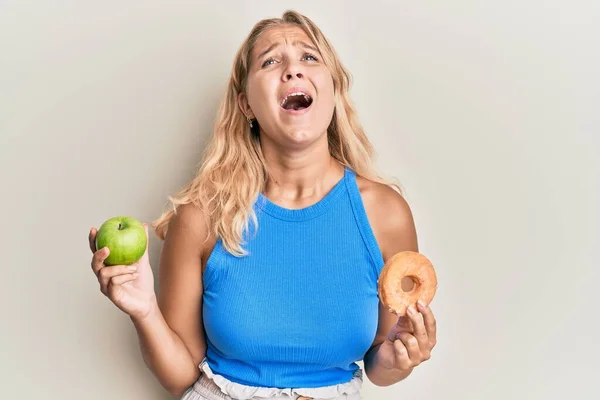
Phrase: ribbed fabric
{"type": "Point", "coordinates": [302, 308]}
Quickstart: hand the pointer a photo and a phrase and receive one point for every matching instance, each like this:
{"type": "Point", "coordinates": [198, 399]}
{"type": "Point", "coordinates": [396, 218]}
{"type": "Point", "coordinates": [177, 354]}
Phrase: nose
{"type": "Point", "coordinates": [291, 75]}
{"type": "Point", "coordinates": [293, 71]}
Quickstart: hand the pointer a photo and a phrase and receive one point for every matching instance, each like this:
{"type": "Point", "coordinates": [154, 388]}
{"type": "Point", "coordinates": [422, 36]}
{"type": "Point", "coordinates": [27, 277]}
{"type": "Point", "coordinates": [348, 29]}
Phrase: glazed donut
{"type": "Point", "coordinates": [405, 264]}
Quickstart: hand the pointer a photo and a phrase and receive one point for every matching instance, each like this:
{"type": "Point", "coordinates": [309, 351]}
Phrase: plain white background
{"type": "Point", "coordinates": [487, 112]}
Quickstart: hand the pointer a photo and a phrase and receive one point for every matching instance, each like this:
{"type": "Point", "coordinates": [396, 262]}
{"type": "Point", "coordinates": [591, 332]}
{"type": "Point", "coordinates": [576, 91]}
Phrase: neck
{"type": "Point", "coordinates": [303, 176]}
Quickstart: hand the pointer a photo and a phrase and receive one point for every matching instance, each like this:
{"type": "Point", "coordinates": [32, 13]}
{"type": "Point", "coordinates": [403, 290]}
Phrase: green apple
{"type": "Point", "coordinates": [126, 239]}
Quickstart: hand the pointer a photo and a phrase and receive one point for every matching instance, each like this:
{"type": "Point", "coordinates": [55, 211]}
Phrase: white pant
{"type": "Point", "coordinates": [206, 388]}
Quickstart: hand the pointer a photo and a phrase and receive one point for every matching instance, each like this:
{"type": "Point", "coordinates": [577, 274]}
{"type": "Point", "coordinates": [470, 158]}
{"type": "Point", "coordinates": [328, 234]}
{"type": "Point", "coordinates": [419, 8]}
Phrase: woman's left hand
{"type": "Point", "coordinates": [411, 340]}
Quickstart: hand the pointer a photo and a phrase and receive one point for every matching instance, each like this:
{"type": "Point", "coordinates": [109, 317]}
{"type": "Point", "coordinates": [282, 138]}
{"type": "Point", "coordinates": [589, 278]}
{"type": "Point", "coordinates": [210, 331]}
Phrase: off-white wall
{"type": "Point", "coordinates": [486, 110]}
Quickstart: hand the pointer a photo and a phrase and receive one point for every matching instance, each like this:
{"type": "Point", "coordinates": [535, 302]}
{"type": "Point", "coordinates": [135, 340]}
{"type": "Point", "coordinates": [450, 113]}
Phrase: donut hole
{"type": "Point", "coordinates": [408, 283]}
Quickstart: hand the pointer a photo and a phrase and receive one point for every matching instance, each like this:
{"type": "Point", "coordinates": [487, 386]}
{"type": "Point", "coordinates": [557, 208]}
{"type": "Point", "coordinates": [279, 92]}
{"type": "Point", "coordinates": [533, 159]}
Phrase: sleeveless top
{"type": "Point", "coordinates": [302, 308]}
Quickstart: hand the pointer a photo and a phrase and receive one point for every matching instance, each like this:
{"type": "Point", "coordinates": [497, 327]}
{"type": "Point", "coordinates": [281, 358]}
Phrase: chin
{"type": "Point", "coordinates": [303, 137]}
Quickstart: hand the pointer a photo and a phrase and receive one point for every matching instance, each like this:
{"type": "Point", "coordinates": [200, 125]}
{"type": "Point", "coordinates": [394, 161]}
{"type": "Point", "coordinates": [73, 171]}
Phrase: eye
{"type": "Point", "coordinates": [310, 56]}
{"type": "Point", "coordinates": [268, 62]}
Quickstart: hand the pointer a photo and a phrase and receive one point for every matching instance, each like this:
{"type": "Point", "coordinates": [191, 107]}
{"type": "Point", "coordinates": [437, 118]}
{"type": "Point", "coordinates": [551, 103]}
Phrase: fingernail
{"type": "Point", "coordinates": [411, 310]}
{"type": "Point", "coordinates": [132, 268]}
{"type": "Point", "coordinates": [421, 304]}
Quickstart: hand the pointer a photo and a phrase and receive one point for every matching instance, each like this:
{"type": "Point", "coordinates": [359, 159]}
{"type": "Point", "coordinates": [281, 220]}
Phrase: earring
{"type": "Point", "coordinates": [249, 121]}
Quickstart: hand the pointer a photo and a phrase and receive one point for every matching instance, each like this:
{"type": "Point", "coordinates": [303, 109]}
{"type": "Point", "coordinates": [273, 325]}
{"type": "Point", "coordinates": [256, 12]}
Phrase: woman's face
{"type": "Point", "coordinates": [289, 89]}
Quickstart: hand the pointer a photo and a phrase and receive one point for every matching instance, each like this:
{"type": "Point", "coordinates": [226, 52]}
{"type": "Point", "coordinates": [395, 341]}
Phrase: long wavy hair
{"type": "Point", "coordinates": [233, 171]}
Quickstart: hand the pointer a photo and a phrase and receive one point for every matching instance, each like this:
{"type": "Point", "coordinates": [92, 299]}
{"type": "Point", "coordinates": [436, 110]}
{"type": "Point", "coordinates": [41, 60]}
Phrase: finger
{"type": "Point", "coordinates": [412, 347]}
{"type": "Point", "coordinates": [121, 279]}
{"type": "Point", "coordinates": [419, 330]}
{"type": "Point", "coordinates": [401, 325]}
{"type": "Point", "coordinates": [429, 320]}
{"type": "Point", "coordinates": [92, 239]}
{"type": "Point", "coordinates": [404, 323]}
{"type": "Point", "coordinates": [402, 358]}
{"type": "Point", "coordinates": [98, 259]}
{"type": "Point", "coordinates": [106, 274]}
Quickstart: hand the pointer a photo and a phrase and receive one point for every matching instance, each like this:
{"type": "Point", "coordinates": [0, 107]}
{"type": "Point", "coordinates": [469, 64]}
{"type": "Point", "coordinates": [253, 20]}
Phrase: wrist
{"type": "Point", "coordinates": [149, 314]}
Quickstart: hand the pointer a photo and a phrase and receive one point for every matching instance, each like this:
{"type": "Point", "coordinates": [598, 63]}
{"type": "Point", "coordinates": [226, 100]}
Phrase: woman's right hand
{"type": "Point", "coordinates": [129, 287]}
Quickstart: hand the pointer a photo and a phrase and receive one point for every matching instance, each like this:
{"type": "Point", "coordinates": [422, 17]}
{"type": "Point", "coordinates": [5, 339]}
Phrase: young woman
{"type": "Point", "coordinates": [268, 273]}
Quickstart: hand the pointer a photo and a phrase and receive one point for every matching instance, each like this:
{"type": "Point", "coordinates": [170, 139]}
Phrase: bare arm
{"type": "Point", "coordinates": [394, 229]}
{"type": "Point", "coordinates": [171, 336]}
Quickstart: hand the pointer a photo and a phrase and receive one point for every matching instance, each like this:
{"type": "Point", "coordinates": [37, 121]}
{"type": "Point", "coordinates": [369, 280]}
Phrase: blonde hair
{"type": "Point", "coordinates": [233, 170]}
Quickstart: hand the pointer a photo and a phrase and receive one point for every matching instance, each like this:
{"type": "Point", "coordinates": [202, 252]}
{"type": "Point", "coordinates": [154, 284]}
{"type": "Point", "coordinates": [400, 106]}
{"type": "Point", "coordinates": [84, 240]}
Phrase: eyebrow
{"type": "Point", "coordinates": [295, 43]}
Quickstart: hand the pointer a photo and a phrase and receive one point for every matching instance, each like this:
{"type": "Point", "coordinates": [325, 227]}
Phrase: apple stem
{"type": "Point", "coordinates": [120, 226]}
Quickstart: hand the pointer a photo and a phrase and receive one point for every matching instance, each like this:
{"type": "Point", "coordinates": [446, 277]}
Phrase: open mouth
{"type": "Point", "coordinates": [296, 101]}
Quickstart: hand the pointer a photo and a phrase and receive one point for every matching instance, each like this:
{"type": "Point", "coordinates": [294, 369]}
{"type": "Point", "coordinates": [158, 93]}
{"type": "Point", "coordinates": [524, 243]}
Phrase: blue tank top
{"type": "Point", "coordinates": [302, 307]}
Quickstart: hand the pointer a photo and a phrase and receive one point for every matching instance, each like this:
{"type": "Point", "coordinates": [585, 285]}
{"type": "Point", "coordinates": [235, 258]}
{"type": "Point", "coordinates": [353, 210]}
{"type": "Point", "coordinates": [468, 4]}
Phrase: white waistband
{"type": "Point", "coordinates": [243, 392]}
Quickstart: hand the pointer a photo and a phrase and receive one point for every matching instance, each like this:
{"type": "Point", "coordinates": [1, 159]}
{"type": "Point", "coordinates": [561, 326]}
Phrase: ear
{"type": "Point", "coordinates": [244, 106]}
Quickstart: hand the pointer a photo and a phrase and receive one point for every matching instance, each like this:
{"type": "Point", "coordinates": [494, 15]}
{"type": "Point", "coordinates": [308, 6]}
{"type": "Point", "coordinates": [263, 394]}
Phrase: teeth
{"type": "Point", "coordinates": [306, 97]}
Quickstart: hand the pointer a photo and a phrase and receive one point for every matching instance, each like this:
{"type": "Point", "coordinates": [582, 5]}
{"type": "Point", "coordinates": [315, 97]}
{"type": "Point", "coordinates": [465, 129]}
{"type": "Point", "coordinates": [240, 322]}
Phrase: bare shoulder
{"type": "Point", "coordinates": [188, 227]}
{"type": "Point", "coordinates": [390, 216]}
{"type": "Point", "coordinates": [188, 219]}
{"type": "Point", "coordinates": [182, 251]}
